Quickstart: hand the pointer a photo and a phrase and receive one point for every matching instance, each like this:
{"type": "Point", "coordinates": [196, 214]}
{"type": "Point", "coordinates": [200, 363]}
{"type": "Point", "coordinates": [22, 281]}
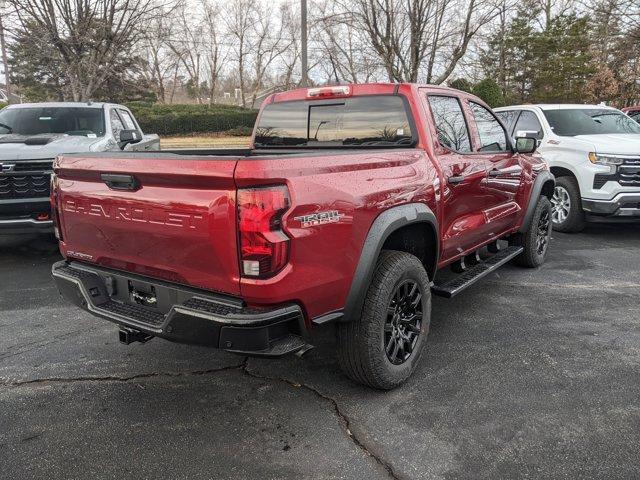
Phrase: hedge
{"type": "Point", "coordinates": [182, 119]}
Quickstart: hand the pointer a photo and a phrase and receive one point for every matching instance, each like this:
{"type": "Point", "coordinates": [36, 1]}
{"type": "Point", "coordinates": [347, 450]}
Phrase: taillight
{"type": "Point", "coordinates": [54, 207]}
{"type": "Point", "coordinates": [264, 247]}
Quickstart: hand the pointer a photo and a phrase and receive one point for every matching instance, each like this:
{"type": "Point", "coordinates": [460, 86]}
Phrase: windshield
{"type": "Point", "coordinates": [589, 121]}
{"type": "Point", "coordinates": [57, 120]}
{"type": "Point", "coordinates": [379, 120]}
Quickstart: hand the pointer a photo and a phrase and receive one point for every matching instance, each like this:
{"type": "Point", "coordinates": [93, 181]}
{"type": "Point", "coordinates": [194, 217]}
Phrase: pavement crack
{"type": "Point", "coordinates": [118, 378]}
{"type": "Point", "coordinates": [345, 423]}
{"type": "Point", "coordinates": [15, 350]}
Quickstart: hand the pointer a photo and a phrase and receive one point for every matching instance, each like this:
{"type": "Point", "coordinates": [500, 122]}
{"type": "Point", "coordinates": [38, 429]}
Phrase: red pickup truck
{"type": "Point", "coordinates": [346, 209]}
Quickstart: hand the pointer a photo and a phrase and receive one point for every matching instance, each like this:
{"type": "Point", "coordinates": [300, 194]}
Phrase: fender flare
{"type": "Point", "coordinates": [384, 225]}
{"type": "Point", "coordinates": [541, 180]}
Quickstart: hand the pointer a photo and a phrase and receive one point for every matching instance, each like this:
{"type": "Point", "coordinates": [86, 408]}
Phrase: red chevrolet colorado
{"type": "Point", "coordinates": [346, 209]}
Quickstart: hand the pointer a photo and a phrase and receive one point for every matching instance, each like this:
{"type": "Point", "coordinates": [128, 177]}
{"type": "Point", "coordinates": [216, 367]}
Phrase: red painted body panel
{"type": "Point", "coordinates": [180, 227]}
{"type": "Point", "coordinates": [359, 185]}
{"type": "Point", "coordinates": [181, 224]}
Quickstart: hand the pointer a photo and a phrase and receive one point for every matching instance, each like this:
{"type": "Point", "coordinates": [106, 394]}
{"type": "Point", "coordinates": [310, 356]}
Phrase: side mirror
{"type": "Point", "coordinates": [529, 133]}
{"type": "Point", "coordinates": [537, 134]}
{"type": "Point", "coordinates": [129, 136]}
{"type": "Point", "coordinates": [526, 145]}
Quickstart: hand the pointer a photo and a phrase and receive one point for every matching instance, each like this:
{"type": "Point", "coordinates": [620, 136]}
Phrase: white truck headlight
{"type": "Point", "coordinates": [608, 160]}
{"type": "Point", "coordinates": [605, 159]}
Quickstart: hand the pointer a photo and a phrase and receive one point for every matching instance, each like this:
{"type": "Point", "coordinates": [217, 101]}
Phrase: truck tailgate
{"type": "Point", "coordinates": [175, 221]}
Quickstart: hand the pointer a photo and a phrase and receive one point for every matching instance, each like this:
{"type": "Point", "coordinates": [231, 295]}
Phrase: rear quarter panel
{"type": "Point", "coordinates": [358, 185]}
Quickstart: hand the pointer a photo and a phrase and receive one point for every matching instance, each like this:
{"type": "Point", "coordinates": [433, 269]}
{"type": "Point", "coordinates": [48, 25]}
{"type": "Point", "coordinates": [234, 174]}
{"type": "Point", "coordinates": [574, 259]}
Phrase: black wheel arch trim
{"type": "Point", "coordinates": [541, 180]}
{"type": "Point", "coordinates": [383, 226]}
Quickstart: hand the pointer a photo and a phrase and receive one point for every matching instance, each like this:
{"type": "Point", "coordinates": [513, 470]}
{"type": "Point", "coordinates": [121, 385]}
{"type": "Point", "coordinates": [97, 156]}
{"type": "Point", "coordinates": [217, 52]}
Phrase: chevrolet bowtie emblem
{"type": "Point", "coordinates": [7, 167]}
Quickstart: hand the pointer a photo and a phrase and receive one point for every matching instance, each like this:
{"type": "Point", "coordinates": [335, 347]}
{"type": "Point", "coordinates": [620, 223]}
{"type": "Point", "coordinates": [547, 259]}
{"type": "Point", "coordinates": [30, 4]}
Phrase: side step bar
{"type": "Point", "coordinates": [475, 273]}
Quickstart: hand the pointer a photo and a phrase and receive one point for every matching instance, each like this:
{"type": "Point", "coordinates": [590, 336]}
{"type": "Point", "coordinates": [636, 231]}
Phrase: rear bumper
{"type": "Point", "coordinates": [622, 206]}
{"type": "Point", "coordinates": [25, 226]}
{"type": "Point", "coordinates": [183, 314]}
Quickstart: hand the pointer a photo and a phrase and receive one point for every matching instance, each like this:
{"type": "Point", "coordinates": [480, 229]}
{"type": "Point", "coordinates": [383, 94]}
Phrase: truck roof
{"type": "Point", "coordinates": [355, 89]}
{"type": "Point", "coordinates": [553, 106]}
{"type": "Point", "coordinates": [60, 104]}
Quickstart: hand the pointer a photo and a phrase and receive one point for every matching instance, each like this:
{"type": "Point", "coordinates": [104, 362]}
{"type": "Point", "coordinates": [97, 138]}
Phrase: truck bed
{"type": "Point", "coordinates": [179, 222]}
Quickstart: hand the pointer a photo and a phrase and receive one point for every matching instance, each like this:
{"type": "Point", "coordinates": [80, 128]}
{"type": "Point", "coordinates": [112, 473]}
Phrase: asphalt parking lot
{"type": "Point", "coordinates": [528, 374]}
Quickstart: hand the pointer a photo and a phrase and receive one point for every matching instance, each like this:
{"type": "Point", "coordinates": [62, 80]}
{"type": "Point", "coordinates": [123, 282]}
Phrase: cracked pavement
{"type": "Point", "coordinates": [528, 374]}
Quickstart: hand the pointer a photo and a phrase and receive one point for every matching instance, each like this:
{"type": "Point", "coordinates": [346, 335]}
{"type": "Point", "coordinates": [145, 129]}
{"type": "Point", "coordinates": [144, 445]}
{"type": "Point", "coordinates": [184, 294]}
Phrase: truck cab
{"type": "Point", "coordinates": [594, 153]}
{"type": "Point", "coordinates": [33, 134]}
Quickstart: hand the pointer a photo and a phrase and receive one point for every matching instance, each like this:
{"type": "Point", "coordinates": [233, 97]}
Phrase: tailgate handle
{"type": "Point", "coordinates": [118, 181]}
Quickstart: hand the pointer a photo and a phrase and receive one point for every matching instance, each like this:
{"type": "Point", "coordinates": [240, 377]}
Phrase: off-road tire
{"type": "Point", "coordinates": [361, 341]}
{"type": "Point", "coordinates": [532, 256]}
{"type": "Point", "coordinates": [575, 221]}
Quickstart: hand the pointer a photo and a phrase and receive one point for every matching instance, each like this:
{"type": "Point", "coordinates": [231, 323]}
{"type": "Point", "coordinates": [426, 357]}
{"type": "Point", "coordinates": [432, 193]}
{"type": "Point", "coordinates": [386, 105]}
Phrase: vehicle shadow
{"type": "Point", "coordinates": [613, 229]}
{"type": "Point", "coordinates": [600, 236]}
{"type": "Point", "coordinates": [38, 246]}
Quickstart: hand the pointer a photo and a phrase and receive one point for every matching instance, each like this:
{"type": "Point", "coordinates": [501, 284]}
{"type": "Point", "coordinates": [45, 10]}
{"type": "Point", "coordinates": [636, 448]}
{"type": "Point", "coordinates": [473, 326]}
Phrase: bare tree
{"type": "Point", "coordinates": [89, 36]}
{"type": "Point", "coordinates": [160, 62]}
{"type": "Point", "coordinates": [214, 37]}
{"type": "Point", "coordinates": [269, 42]}
{"type": "Point", "coordinates": [290, 57]}
{"type": "Point", "coordinates": [421, 39]}
{"type": "Point", "coordinates": [188, 45]}
{"type": "Point", "coordinates": [343, 51]}
{"type": "Point", "coordinates": [239, 19]}
{"type": "Point", "coordinates": [553, 8]}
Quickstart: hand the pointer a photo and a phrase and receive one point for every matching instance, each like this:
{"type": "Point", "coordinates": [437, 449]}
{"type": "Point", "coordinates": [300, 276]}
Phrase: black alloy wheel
{"type": "Point", "coordinates": [544, 232]}
{"type": "Point", "coordinates": [404, 322]}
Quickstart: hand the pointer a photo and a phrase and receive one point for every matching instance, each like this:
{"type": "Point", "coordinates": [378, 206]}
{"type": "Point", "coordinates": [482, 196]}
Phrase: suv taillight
{"type": "Point", "coordinates": [54, 207]}
{"type": "Point", "coordinates": [264, 247]}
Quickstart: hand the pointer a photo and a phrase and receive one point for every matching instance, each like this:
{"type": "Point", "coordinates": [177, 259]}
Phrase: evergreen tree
{"type": "Point", "coordinates": [37, 68]}
{"type": "Point", "coordinates": [549, 63]}
{"type": "Point", "coordinates": [489, 91]}
{"type": "Point", "coordinates": [565, 64]}
{"type": "Point", "coordinates": [461, 84]}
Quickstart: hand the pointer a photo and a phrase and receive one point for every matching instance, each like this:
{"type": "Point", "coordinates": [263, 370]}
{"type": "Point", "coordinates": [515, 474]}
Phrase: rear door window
{"type": "Point", "coordinates": [493, 138]}
{"type": "Point", "coordinates": [450, 123]}
{"type": "Point", "coordinates": [508, 117]}
{"type": "Point", "coordinates": [377, 120]}
{"type": "Point", "coordinates": [528, 122]}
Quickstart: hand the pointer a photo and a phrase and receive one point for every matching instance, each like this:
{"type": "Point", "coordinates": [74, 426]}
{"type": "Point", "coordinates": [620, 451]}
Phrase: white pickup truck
{"type": "Point", "coordinates": [594, 153]}
{"type": "Point", "coordinates": [33, 134]}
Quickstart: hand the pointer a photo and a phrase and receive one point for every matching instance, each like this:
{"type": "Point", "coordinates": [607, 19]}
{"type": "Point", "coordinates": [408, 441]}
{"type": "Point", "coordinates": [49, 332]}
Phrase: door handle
{"type": "Point", "coordinates": [511, 171]}
{"type": "Point", "coordinates": [118, 181]}
{"type": "Point", "coordinates": [455, 179]}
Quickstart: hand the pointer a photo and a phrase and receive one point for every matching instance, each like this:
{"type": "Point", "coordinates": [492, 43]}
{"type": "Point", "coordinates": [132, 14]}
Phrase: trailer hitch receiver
{"type": "Point", "coordinates": [129, 335]}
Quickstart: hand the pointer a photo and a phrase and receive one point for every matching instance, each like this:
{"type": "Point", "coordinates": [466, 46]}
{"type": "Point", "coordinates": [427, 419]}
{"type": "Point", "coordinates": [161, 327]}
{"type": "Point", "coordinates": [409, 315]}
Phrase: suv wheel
{"type": "Point", "coordinates": [567, 215]}
{"type": "Point", "coordinates": [383, 346]}
{"type": "Point", "coordinates": [536, 239]}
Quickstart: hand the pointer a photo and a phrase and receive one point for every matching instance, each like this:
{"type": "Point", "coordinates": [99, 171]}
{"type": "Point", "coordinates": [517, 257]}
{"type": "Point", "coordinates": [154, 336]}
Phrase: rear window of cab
{"type": "Point", "coordinates": [366, 121]}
